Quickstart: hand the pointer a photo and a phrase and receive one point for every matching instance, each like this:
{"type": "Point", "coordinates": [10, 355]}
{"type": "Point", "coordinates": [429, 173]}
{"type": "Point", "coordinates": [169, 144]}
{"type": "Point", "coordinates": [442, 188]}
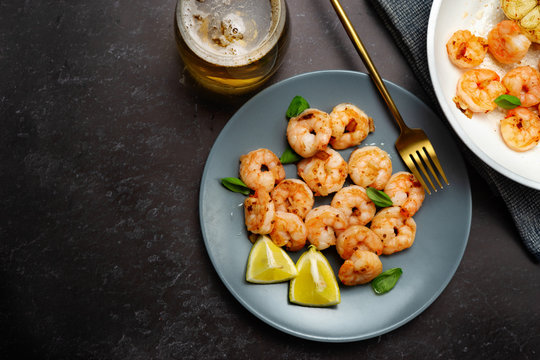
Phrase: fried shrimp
{"type": "Point", "coordinates": [322, 223]}
{"type": "Point", "coordinates": [477, 90]}
{"type": "Point", "coordinates": [370, 166]}
{"type": "Point", "coordinates": [466, 50]}
{"type": "Point", "coordinates": [357, 237]}
{"type": "Point", "coordinates": [324, 173]}
{"type": "Point", "coordinates": [259, 212]}
{"type": "Point", "coordinates": [289, 231]}
{"type": "Point", "coordinates": [506, 42]}
{"type": "Point", "coordinates": [309, 132]}
{"type": "Point", "coordinates": [362, 267]}
{"type": "Point", "coordinates": [261, 169]}
{"type": "Point", "coordinates": [406, 192]}
{"type": "Point", "coordinates": [355, 204]}
{"type": "Point", "coordinates": [524, 83]}
{"type": "Point", "coordinates": [520, 129]}
{"type": "Point", "coordinates": [396, 230]}
{"type": "Point", "coordinates": [294, 196]}
{"type": "Point", "coordinates": [350, 126]}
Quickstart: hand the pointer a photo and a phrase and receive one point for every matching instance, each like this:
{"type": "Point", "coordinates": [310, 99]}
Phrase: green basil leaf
{"type": "Point", "coordinates": [289, 156]}
{"type": "Point", "coordinates": [297, 105]}
{"type": "Point", "coordinates": [507, 101]}
{"type": "Point", "coordinates": [235, 185]}
{"type": "Point", "coordinates": [379, 198]}
{"type": "Point", "coordinates": [386, 281]}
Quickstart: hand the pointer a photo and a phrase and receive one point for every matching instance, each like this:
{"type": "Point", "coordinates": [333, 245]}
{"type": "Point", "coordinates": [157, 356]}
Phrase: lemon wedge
{"type": "Point", "coordinates": [315, 284]}
{"type": "Point", "coordinates": [268, 263]}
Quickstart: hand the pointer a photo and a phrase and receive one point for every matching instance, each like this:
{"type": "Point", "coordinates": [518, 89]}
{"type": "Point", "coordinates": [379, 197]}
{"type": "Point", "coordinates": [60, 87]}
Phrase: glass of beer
{"type": "Point", "coordinates": [232, 46]}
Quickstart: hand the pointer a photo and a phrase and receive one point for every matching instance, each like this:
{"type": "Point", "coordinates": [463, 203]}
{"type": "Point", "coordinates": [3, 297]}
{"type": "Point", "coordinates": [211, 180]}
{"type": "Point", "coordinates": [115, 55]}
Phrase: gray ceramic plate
{"type": "Point", "coordinates": [443, 221]}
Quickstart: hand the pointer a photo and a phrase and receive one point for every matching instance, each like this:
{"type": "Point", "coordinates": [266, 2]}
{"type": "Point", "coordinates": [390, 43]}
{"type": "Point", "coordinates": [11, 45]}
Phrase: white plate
{"type": "Point", "coordinates": [443, 222]}
{"type": "Point", "coordinates": [481, 133]}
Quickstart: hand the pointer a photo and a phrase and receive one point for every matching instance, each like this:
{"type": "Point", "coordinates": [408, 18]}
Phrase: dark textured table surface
{"type": "Point", "coordinates": [103, 142]}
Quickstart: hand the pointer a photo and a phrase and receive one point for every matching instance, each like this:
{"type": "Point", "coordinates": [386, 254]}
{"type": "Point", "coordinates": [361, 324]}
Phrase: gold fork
{"type": "Point", "coordinates": [412, 144]}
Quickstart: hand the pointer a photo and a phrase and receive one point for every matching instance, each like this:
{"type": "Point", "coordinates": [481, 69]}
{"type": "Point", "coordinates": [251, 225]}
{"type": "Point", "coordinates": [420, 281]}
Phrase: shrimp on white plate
{"type": "Point", "coordinates": [477, 90]}
{"type": "Point", "coordinates": [520, 129]}
{"type": "Point", "coordinates": [506, 42]}
{"type": "Point", "coordinates": [524, 83]}
{"type": "Point", "coordinates": [466, 50]}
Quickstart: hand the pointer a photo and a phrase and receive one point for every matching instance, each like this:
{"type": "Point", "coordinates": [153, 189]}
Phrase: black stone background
{"type": "Point", "coordinates": [103, 141]}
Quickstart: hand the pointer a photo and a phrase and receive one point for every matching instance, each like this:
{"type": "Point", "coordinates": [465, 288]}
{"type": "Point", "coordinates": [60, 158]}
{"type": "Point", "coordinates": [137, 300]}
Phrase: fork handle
{"type": "Point", "coordinates": [374, 74]}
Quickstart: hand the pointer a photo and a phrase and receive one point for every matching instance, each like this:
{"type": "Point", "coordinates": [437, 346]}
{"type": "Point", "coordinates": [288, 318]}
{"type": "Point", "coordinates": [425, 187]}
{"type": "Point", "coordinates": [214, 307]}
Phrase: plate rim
{"type": "Point", "coordinates": [466, 139]}
{"type": "Point", "coordinates": [303, 335]}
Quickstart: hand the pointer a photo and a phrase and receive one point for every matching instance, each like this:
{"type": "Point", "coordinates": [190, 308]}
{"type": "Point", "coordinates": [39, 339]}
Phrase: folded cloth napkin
{"type": "Point", "coordinates": [407, 21]}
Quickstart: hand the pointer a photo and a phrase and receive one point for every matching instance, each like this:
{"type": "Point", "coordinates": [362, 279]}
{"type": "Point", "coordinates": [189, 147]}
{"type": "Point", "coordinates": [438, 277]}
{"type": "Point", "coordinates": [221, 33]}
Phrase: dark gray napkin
{"type": "Point", "coordinates": [407, 21]}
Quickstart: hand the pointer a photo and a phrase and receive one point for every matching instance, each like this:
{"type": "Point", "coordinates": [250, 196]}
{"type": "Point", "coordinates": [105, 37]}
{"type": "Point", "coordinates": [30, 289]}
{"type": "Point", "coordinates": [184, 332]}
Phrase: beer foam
{"type": "Point", "coordinates": [222, 31]}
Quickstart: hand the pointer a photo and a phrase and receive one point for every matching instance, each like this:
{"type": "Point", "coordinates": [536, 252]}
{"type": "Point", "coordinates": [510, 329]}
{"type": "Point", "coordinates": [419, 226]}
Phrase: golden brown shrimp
{"type": "Point", "coordinates": [355, 204]}
{"type": "Point", "coordinates": [358, 237]}
{"type": "Point", "coordinates": [506, 42]}
{"type": "Point", "coordinates": [294, 196]}
{"type": "Point", "coordinates": [289, 231]}
{"type": "Point", "coordinates": [370, 166]}
{"type": "Point", "coordinates": [309, 132]}
{"type": "Point", "coordinates": [466, 50]}
{"type": "Point", "coordinates": [524, 83]}
{"type": "Point", "coordinates": [324, 173]}
{"type": "Point", "coordinates": [261, 169]}
{"type": "Point", "coordinates": [396, 230]}
{"type": "Point", "coordinates": [362, 267]}
{"type": "Point", "coordinates": [477, 90]}
{"type": "Point", "coordinates": [259, 212]}
{"type": "Point", "coordinates": [520, 129]}
{"type": "Point", "coordinates": [350, 126]}
{"type": "Point", "coordinates": [322, 223]}
{"type": "Point", "coordinates": [406, 192]}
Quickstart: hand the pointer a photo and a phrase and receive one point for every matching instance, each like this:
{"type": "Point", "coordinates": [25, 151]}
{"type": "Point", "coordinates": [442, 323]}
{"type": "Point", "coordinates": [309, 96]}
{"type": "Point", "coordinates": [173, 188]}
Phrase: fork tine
{"type": "Point", "coordinates": [433, 156]}
{"type": "Point", "coordinates": [417, 158]}
{"type": "Point", "coordinates": [412, 166]}
{"type": "Point", "coordinates": [425, 156]}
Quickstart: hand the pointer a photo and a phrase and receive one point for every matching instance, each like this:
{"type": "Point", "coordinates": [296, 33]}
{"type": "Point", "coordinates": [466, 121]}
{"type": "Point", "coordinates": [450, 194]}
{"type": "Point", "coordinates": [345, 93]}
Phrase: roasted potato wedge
{"type": "Point", "coordinates": [527, 14]}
